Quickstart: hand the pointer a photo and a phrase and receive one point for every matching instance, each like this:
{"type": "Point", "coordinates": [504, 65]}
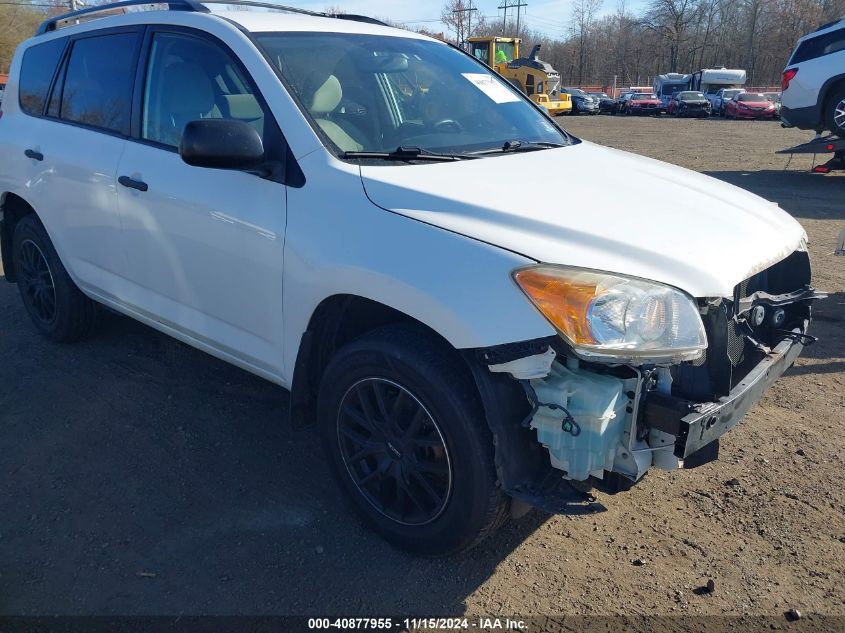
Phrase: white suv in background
{"type": "Point", "coordinates": [814, 81]}
{"type": "Point", "coordinates": [339, 207]}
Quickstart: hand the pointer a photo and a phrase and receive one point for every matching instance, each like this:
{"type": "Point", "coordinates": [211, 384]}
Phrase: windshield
{"type": "Point", "coordinates": [772, 96]}
{"type": "Point", "coordinates": [730, 94]}
{"type": "Point", "coordinates": [691, 96]}
{"type": "Point", "coordinates": [374, 94]}
{"type": "Point", "coordinates": [747, 96]}
{"type": "Point", "coordinates": [641, 96]}
{"type": "Point", "coordinates": [576, 91]}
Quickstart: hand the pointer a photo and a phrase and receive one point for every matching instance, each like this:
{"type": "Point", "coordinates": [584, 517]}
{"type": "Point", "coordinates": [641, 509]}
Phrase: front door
{"type": "Point", "coordinates": [205, 246]}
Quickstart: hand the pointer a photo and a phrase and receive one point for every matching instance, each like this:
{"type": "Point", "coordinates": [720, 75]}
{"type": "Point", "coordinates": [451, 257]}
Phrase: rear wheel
{"type": "Point", "coordinates": [835, 114]}
{"type": "Point", "coordinates": [406, 436]}
{"type": "Point", "coordinates": [56, 306]}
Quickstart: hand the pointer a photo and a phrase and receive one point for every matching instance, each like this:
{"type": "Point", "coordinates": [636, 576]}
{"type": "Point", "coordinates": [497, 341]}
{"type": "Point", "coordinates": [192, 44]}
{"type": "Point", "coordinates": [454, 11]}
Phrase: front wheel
{"type": "Point", "coordinates": [404, 430]}
{"type": "Point", "coordinates": [835, 114]}
{"type": "Point", "coordinates": [57, 308]}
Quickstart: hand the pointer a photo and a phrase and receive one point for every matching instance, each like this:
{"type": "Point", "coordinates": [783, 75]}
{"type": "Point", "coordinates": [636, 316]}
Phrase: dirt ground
{"type": "Point", "coordinates": [138, 476]}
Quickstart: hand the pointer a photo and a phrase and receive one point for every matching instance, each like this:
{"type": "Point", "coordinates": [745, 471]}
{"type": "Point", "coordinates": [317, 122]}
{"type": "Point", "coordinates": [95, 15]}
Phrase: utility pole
{"type": "Point", "coordinates": [512, 5]}
{"type": "Point", "coordinates": [468, 10]}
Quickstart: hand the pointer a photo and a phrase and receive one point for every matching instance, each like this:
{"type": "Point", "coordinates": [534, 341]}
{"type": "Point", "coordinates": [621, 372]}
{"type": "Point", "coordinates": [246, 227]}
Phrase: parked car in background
{"type": "Point", "coordinates": [605, 102]}
{"type": "Point", "coordinates": [642, 104]}
{"type": "Point", "coordinates": [814, 81]}
{"type": "Point", "coordinates": [719, 99]}
{"type": "Point", "coordinates": [749, 105]}
{"type": "Point", "coordinates": [582, 103]}
{"type": "Point", "coordinates": [774, 97]}
{"type": "Point", "coordinates": [689, 103]}
{"type": "Point", "coordinates": [619, 102]}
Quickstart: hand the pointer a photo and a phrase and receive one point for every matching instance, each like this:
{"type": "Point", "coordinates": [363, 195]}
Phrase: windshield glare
{"type": "Point", "coordinates": [374, 93]}
{"type": "Point", "coordinates": [691, 96]}
{"type": "Point", "coordinates": [747, 96]}
{"type": "Point", "coordinates": [643, 96]}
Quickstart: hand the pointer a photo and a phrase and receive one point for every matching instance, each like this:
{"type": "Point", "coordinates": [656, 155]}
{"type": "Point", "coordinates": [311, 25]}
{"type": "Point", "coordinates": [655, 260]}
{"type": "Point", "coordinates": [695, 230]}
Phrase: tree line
{"type": "Point", "coordinates": [666, 36]}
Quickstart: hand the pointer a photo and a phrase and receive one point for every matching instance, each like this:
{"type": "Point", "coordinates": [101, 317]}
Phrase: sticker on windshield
{"type": "Point", "coordinates": [490, 86]}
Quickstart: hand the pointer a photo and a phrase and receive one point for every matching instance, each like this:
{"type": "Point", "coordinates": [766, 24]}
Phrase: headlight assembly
{"type": "Point", "coordinates": [609, 317]}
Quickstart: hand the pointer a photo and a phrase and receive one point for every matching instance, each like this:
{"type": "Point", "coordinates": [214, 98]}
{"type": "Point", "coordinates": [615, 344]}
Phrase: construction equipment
{"type": "Point", "coordinates": [536, 78]}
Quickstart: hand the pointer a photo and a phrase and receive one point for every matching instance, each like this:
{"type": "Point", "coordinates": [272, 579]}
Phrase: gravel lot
{"type": "Point", "coordinates": [138, 476]}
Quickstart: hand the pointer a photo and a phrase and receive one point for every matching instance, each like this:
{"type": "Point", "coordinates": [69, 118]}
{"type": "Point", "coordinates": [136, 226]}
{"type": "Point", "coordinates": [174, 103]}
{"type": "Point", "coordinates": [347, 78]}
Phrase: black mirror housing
{"type": "Point", "coordinates": [221, 144]}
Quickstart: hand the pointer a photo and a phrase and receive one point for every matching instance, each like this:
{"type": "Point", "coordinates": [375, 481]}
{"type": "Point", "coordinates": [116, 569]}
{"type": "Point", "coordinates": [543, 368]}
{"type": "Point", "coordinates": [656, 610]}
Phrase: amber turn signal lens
{"type": "Point", "coordinates": [564, 302]}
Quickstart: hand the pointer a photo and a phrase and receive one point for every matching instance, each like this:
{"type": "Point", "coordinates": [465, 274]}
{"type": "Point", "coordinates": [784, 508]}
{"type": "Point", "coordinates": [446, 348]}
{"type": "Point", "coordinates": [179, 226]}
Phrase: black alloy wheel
{"type": "Point", "coordinates": [56, 306]}
{"type": "Point", "coordinates": [394, 451]}
{"type": "Point", "coordinates": [36, 282]}
{"type": "Point", "coordinates": [406, 436]}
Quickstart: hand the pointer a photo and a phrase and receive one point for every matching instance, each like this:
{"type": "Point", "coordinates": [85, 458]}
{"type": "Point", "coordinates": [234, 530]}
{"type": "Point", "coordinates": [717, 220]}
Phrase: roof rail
{"type": "Point", "coordinates": [289, 9]}
{"type": "Point", "coordinates": [190, 5]}
{"type": "Point", "coordinates": [173, 5]}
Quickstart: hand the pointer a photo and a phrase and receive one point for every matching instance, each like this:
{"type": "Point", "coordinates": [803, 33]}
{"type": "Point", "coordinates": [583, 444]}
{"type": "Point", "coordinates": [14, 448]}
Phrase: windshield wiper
{"type": "Point", "coordinates": [519, 146]}
{"type": "Point", "coordinates": [408, 154]}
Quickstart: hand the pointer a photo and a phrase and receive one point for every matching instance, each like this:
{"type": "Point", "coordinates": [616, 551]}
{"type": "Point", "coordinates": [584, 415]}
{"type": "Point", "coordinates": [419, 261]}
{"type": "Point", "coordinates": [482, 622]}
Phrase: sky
{"type": "Point", "coordinates": [550, 17]}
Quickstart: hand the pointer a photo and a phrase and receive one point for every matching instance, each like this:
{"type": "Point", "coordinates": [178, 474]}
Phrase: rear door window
{"type": "Point", "coordinates": [37, 71]}
{"type": "Point", "coordinates": [98, 85]}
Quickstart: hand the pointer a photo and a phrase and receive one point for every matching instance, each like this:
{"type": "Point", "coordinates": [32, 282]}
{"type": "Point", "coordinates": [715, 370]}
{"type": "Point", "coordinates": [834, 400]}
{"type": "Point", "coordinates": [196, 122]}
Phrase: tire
{"type": "Point", "coordinates": [57, 308]}
{"type": "Point", "coordinates": [455, 458]}
{"type": "Point", "coordinates": [835, 113]}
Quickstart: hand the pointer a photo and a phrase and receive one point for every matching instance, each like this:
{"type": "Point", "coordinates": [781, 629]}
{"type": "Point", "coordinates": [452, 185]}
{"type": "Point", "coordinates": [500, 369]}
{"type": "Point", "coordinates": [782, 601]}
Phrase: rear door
{"type": "Point", "coordinates": [204, 246]}
{"type": "Point", "coordinates": [73, 143]}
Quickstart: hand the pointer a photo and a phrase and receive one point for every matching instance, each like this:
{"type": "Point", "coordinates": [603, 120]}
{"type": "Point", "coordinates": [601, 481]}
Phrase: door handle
{"type": "Point", "coordinates": [31, 153]}
{"type": "Point", "coordinates": [126, 181]}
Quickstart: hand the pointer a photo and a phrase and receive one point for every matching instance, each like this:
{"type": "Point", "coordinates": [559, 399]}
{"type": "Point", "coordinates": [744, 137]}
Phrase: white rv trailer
{"type": "Point", "coordinates": [666, 86]}
{"type": "Point", "coordinates": [709, 80]}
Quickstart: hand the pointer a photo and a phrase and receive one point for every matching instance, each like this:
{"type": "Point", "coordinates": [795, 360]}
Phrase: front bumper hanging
{"type": "Point", "coordinates": [698, 424]}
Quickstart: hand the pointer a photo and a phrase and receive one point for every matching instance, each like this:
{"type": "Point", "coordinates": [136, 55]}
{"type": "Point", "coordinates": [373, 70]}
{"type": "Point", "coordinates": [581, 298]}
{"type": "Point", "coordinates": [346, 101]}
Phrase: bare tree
{"type": "Point", "coordinates": [583, 21]}
{"type": "Point", "coordinates": [671, 20]}
{"type": "Point", "coordinates": [459, 15]}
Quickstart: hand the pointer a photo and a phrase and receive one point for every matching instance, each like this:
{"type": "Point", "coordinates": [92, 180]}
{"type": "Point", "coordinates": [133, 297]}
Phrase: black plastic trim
{"type": "Point", "coordinates": [698, 424]}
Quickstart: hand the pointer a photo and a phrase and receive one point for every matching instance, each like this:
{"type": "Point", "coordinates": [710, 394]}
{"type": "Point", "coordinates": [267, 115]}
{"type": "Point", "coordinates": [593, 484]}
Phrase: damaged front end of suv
{"type": "Point", "coordinates": [640, 376]}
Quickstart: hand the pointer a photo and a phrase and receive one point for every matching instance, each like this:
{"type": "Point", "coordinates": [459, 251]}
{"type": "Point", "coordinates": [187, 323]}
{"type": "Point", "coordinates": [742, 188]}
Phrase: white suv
{"type": "Point", "coordinates": [814, 81]}
{"type": "Point", "coordinates": [356, 213]}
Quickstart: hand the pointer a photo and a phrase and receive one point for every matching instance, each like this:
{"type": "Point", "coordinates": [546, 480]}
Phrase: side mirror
{"type": "Point", "coordinates": [221, 144]}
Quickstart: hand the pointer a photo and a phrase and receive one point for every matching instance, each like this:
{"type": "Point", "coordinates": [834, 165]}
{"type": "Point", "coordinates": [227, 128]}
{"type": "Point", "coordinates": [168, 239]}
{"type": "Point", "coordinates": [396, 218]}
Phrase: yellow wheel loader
{"type": "Point", "coordinates": [534, 77]}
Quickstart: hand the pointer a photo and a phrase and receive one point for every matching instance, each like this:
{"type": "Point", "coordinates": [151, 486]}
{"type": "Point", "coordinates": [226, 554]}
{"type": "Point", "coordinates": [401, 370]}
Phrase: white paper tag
{"type": "Point", "coordinates": [492, 87]}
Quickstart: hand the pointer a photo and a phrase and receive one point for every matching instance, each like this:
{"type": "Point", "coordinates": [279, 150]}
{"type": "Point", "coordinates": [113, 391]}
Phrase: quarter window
{"type": "Point", "coordinates": [189, 79]}
{"type": "Point", "coordinates": [98, 85]}
{"type": "Point", "coordinates": [37, 70]}
{"type": "Point", "coordinates": [820, 46]}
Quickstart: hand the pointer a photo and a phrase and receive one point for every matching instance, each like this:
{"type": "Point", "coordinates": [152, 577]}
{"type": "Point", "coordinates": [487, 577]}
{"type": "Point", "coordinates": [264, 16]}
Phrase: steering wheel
{"type": "Point", "coordinates": [448, 125]}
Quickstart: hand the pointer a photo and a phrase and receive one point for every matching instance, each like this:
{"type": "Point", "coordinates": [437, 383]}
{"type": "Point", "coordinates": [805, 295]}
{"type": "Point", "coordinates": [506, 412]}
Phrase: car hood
{"type": "Point", "coordinates": [586, 206]}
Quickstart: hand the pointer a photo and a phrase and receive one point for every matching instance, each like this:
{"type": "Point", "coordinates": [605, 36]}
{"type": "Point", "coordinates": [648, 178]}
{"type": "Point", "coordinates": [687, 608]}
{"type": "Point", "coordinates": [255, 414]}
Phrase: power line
{"type": "Point", "coordinates": [468, 10]}
{"type": "Point", "coordinates": [511, 5]}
